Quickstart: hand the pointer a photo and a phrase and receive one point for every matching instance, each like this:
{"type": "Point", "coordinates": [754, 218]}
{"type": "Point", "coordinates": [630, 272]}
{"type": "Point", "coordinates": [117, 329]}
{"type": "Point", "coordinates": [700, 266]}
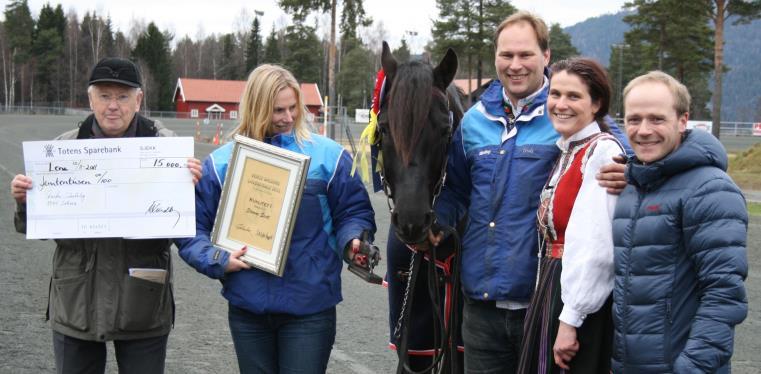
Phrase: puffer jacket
{"type": "Point", "coordinates": [335, 208]}
{"type": "Point", "coordinates": [92, 296]}
{"type": "Point", "coordinates": [495, 174]}
{"type": "Point", "coordinates": [679, 230]}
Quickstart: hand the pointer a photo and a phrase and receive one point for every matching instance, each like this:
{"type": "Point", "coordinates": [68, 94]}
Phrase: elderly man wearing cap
{"type": "Point", "coordinates": [92, 299]}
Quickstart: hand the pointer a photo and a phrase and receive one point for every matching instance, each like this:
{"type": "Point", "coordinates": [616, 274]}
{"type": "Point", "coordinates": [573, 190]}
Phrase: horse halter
{"type": "Point", "coordinates": [442, 174]}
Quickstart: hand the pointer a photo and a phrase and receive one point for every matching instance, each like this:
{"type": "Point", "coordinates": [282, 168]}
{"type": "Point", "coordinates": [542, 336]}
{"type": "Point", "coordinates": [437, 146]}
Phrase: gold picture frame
{"type": "Point", "coordinates": [259, 203]}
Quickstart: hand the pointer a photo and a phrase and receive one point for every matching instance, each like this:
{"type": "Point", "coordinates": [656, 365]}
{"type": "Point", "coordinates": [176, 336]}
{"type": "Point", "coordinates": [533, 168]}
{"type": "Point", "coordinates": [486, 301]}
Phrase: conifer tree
{"type": "Point", "coordinates": [253, 46]}
{"type": "Point", "coordinates": [402, 54]}
{"type": "Point", "coordinates": [228, 69]}
{"type": "Point", "coordinates": [152, 52]}
{"type": "Point", "coordinates": [561, 47]}
{"type": "Point", "coordinates": [353, 15]}
{"type": "Point", "coordinates": [467, 26]}
{"type": "Point", "coordinates": [272, 53]}
{"type": "Point", "coordinates": [19, 30]}
{"type": "Point", "coordinates": [672, 36]}
{"type": "Point", "coordinates": [720, 11]}
{"type": "Point", "coordinates": [303, 53]}
{"type": "Point", "coordinates": [47, 49]}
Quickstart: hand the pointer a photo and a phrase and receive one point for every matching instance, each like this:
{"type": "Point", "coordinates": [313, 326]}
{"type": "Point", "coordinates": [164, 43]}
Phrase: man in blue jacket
{"type": "Point", "coordinates": [680, 230]}
{"type": "Point", "coordinates": [500, 159]}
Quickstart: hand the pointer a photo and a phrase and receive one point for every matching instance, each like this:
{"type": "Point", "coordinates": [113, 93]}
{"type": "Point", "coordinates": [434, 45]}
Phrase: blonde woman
{"type": "Point", "coordinates": [288, 323]}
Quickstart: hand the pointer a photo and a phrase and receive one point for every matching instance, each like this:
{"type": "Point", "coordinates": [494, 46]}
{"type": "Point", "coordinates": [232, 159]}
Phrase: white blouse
{"type": "Point", "coordinates": [586, 279]}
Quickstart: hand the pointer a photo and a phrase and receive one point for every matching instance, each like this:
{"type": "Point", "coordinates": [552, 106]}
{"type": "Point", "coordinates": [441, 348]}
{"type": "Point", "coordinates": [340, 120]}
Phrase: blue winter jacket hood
{"type": "Point", "coordinates": [698, 148]}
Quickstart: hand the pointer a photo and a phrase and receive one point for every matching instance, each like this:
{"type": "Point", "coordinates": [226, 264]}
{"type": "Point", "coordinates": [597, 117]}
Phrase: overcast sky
{"type": "Point", "coordinates": [401, 18]}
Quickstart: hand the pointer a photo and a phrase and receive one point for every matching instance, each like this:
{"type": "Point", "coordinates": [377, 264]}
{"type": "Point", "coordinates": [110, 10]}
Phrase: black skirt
{"type": "Point", "coordinates": [540, 328]}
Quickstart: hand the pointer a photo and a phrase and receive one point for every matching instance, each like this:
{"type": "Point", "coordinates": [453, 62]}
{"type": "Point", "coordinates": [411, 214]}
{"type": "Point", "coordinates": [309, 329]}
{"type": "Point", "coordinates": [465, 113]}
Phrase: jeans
{"type": "Point", "coordinates": [139, 356]}
{"type": "Point", "coordinates": [492, 337]}
{"type": "Point", "coordinates": [282, 343]}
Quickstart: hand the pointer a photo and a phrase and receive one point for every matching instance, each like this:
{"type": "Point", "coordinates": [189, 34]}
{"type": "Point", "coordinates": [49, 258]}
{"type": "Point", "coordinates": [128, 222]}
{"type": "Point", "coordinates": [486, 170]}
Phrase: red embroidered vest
{"type": "Point", "coordinates": [563, 195]}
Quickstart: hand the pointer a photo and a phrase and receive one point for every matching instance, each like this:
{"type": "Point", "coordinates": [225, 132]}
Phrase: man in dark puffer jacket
{"type": "Point", "coordinates": [680, 230]}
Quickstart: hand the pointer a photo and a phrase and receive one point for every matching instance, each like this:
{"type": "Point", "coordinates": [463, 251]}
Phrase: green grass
{"type": "Point", "coordinates": [745, 168]}
{"type": "Point", "coordinates": [754, 209]}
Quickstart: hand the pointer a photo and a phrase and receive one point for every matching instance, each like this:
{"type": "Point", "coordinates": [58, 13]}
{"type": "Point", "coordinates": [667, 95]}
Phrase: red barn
{"type": "Point", "coordinates": [219, 99]}
{"type": "Point", "coordinates": [471, 89]}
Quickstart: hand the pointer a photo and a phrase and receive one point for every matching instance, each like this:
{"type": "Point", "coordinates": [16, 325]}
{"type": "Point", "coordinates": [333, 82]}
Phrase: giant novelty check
{"type": "Point", "coordinates": [95, 188]}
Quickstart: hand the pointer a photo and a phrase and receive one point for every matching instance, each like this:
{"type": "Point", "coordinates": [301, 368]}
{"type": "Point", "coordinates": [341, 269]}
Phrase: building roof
{"type": "Point", "coordinates": [222, 91]}
{"type": "Point", "coordinates": [209, 90]}
{"type": "Point", "coordinates": [311, 94]}
{"type": "Point", "coordinates": [462, 84]}
{"type": "Point", "coordinates": [215, 108]}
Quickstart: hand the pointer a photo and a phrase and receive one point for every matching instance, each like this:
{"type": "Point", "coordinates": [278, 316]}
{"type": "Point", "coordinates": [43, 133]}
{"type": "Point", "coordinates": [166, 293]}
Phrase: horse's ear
{"type": "Point", "coordinates": [388, 62]}
{"type": "Point", "coordinates": [445, 71]}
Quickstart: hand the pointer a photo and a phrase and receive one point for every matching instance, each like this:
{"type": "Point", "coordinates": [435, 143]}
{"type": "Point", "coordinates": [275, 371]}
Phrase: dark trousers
{"type": "Point", "coordinates": [492, 337]}
{"type": "Point", "coordinates": [139, 356]}
{"type": "Point", "coordinates": [282, 343]}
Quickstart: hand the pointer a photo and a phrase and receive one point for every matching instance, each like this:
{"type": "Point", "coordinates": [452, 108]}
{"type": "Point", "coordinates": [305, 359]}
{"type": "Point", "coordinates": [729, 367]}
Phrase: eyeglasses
{"type": "Point", "coordinates": [121, 99]}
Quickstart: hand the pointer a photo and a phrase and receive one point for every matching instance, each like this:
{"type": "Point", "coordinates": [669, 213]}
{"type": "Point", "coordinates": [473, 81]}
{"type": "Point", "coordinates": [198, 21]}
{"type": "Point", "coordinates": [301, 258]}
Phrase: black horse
{"type": "Point", "coordinates": [418, 115]}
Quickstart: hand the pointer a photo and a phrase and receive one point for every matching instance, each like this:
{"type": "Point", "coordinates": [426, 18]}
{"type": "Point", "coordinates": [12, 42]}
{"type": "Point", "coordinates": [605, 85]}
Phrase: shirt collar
{"type": "Point", "coordinates": [526, 101]}
{"type": "Point", "coordinates": [590, 129]}
{"type": "Point", "coordinates": [282, 139]}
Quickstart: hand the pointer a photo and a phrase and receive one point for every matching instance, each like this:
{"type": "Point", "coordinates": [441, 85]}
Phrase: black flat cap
{"type": "Point", "coordinates": [115, 70]}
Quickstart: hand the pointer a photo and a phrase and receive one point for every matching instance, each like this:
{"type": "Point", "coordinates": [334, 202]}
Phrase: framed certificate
{"type": "Point", "coordinates": [260, 201]}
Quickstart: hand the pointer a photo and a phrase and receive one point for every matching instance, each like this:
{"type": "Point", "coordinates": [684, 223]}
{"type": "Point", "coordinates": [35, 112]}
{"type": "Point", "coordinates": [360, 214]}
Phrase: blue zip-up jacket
{"type": "Point", "coordinates": [680, 231]}
{"type": "Point", "coordinates": [497, 183]}
{"type": "Point", "coordinates": [335, 209]}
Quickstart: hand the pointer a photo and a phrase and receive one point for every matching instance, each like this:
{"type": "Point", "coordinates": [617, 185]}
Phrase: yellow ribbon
{"type": "Point", "coordinates": [362, 159]}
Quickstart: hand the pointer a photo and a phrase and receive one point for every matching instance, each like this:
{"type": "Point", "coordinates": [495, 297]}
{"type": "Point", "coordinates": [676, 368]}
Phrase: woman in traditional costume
{"type": "Point", "coordinates": [568, 326]}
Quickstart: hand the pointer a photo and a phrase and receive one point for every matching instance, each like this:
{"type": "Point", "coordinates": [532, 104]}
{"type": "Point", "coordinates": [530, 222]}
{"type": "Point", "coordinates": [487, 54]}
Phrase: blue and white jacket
{"type": "Point", "coordinates": [335, 209]}
{"type": "Point", "coordinates": [495, 175]}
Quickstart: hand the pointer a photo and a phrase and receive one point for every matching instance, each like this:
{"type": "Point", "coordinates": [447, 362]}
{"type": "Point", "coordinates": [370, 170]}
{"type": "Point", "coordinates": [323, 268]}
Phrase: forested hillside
{"type": "Point", "coordinates": [742, 57]}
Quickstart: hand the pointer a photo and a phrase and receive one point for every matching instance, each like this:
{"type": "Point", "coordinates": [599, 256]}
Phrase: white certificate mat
{"type": "Point", "coordinates": [95, 188]}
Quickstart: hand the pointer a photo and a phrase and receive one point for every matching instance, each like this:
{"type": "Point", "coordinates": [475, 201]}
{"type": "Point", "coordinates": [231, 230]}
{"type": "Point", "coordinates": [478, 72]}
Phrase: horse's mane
{"type": "Point", "coordinates": [409, 103]}
{"type": "Point", "coordinates": [455, 96]}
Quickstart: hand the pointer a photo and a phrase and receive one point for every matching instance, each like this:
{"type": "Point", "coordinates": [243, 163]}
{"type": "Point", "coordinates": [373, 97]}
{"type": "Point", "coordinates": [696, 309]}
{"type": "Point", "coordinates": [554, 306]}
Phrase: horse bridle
{"type": "Point", "coordinates": [415, 259]}
{"type": "Point", "coordinates": [442, 174]}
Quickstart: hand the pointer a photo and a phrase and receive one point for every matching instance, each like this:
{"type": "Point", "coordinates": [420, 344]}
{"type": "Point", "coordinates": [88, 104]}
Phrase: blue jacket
{"type": "Point", "coordinates": [679, 231]}
{"type": "Point", "coordinates": [335, 209]}
{"type": "Point", "coordinates": [497, 184]}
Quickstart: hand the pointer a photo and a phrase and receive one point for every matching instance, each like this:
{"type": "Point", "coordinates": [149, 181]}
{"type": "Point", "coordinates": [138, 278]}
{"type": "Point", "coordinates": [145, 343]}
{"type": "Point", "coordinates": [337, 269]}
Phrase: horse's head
{"type": "Point", "coordinates": [418, 115]}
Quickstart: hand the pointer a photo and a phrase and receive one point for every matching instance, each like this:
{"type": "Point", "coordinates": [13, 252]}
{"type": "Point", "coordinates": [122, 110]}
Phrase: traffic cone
{"type": "Point", "coordinates": [216, 136]}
